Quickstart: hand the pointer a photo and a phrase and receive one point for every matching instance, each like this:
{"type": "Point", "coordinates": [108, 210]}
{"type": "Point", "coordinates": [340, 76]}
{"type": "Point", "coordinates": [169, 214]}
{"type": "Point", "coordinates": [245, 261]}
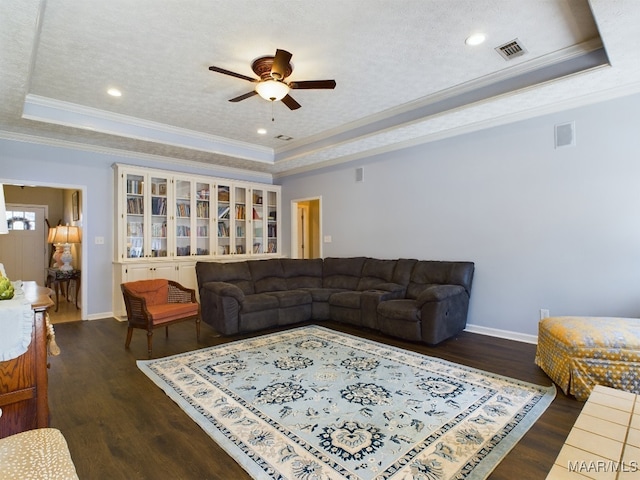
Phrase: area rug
{"type": "Point", "coordinates": [312, 403]}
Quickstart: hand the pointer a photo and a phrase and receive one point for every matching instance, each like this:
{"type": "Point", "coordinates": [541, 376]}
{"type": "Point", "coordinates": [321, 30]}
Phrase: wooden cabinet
{"type": "Point", "coordinates": [23, 380]}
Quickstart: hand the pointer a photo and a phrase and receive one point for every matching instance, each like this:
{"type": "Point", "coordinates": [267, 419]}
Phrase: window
{"type": "Point", "coordinates": [21, 220]}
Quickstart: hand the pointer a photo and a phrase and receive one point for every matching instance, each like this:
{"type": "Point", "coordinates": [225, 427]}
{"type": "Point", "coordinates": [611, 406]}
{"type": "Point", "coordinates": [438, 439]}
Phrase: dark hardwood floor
{"type": "Point", "coordinates": [119, 425]}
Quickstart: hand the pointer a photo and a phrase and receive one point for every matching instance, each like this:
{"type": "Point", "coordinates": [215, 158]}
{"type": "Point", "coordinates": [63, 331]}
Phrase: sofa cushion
{"type": "Point", "coordinates": [155, 292]}
{"type": "Point", "coordinates": [346, 299]}
{"type": "Point", "coordinates": [375, 272]}
{"type": "Point", "coordinates": [291, 298]}
{"type": "Point", "coordinates": [302, 273]}
{"type": "Point", "coordinates": [342, 272]}
{"type": "Point", "coordinates": [236, 273]}
{"type": "Point", "coordinates": [426, 273]}
{"type": "Point", "coordinates": [322, 294]}
{"type": "Point", "coordinates": [258, 302]}
{"type": "Point", "coordinates": [267, 275]}
{"type": "Point", "coordinates": [402, 272]}
{"type": "Point", "coordinates": [399, 310]}
{"type": "Point", "coordinates": [172, 311]}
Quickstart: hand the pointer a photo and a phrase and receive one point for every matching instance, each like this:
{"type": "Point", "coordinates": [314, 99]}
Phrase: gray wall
{"type": "Point", "coordinates": [547, 228]}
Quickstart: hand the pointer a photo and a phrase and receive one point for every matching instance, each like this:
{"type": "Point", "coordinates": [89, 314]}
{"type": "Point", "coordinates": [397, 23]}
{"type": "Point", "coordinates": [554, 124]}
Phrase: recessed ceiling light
{"type": "Point", "coordinates": [475, 39]}
{"type": "Point", "coordinates": [114, 92]}
{"type": "Point", "coordinates": [262, 131]}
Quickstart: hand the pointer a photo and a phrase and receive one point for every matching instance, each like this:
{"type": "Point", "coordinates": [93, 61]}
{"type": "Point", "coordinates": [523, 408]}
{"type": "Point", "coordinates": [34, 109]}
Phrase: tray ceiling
{"type": "Point", "coordinates": [404, 73]}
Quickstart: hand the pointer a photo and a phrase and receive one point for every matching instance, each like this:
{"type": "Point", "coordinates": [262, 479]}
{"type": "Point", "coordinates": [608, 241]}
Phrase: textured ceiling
{"type": "Point", "coordinates": [404, 74]}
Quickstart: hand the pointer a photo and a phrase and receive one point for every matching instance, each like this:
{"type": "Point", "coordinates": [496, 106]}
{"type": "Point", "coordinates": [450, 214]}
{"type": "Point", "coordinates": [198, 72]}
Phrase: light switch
{"type": "Point", "coordinates": [327, 239]}
{"type": "Point", "coordinates": [99, 240]}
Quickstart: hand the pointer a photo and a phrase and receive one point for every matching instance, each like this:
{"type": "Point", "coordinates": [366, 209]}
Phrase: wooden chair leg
{"type": "Point", "coordinates": [166, 332]}
{"type": "Point", "coordinates": [149, 341]}
{"type": "Point", "coordinates": [128, 341]}
{"type": "Point", "coordinates": [198, 328]}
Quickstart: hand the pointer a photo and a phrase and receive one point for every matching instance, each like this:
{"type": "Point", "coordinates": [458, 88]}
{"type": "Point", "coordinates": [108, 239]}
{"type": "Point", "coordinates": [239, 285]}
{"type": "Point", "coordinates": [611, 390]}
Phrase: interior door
{"type": "Point", "coordinates": [23, 249]}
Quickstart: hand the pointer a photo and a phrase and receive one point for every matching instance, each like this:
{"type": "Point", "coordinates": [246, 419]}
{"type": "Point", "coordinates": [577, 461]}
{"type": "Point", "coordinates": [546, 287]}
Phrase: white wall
{"type": "Point", "coordinates": [92, 173]}
{"type": "Point", "coordinates": [547, 228]}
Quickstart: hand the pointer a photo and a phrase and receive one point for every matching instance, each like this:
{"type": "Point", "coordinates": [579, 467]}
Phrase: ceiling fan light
{"type": "Point", "coordinates": [272, 90]}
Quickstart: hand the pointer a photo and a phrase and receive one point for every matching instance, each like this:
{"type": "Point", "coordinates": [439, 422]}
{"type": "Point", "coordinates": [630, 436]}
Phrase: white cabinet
{"type": "Point", "coordinates": [164, 214]}
{"type": "Point", "coordinates": [143, 204]}
{"type": "Point", "coordinates": [167, 221]}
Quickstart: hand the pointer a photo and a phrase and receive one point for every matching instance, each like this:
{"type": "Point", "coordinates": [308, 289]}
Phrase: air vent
{"type": "Point", "coordinates": [285, 138]}
{"type": "Point", "coordinates": [511, 49]}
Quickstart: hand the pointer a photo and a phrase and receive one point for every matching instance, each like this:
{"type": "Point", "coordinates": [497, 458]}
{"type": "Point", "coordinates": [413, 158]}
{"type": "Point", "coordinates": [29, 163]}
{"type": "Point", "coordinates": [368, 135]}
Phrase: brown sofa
{"type": "Point", "coordinates": [418, 300]}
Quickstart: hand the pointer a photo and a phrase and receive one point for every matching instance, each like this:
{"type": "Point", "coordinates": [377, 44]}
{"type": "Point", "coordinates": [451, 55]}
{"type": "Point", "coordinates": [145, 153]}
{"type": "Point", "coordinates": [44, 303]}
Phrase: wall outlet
{"type": "Point", "coordinates": [544, 313]}
{"type": "Point", "coordinates": [327, 239]}
{"type": "Point", "coordinates": [99, 240]}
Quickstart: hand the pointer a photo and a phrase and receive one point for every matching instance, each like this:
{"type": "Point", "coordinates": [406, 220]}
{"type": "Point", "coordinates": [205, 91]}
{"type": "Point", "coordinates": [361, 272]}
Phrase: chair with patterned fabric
{"type": "Point", "coordinates": [158, 303]}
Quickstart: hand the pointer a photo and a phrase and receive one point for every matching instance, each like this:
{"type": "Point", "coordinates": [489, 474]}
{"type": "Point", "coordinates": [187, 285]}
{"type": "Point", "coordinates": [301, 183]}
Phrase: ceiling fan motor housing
{"type": "Point", "coordinates": [262, 67]}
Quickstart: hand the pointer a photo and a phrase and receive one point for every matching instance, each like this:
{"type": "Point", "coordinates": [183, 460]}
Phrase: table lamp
{"type": "Point", "coordinates": [65, 236]}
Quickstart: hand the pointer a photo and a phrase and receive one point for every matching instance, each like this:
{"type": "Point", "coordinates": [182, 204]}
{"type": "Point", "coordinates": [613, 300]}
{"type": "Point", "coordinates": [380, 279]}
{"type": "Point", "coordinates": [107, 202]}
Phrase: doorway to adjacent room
{"type": "Point", "coordinates": [306, 228]}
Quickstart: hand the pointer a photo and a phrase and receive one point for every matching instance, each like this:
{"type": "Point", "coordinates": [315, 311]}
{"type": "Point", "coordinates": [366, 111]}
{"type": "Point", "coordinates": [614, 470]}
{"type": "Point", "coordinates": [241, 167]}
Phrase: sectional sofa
{"type": "Point", "coordinates": [417, 300]}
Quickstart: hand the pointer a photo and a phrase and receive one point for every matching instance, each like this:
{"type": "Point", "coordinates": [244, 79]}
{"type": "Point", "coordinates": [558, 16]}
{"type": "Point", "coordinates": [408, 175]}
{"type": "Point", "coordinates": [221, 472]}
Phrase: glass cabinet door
{"type": "Point", "coordinates": [224, 219]}
{"type": "Point", "coordinates": [183, 218]}
{"type": "Point", "coordinates": [272, 222]}
{"type": "Point", "coordinates": [203, 216]}
{"type": "Point", "coordinates": [134, 218]}
{"type": "Point", "coordinates": [257, 221]}
{"type": "Point", "coordinates": [240, 220]}
{"type": "Point", "coordinates": [159, 217]}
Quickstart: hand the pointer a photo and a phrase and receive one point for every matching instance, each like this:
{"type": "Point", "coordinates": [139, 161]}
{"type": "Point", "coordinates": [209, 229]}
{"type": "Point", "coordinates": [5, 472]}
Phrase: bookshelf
{"type": "Point", "coordinates": [172, 216]}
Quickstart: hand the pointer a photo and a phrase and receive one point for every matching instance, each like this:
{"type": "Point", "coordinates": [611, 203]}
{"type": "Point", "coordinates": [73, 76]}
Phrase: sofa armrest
{"type": "Point", "coordinates": [438, 293]}
{"type": "Point", "coordinates": [224, 289]}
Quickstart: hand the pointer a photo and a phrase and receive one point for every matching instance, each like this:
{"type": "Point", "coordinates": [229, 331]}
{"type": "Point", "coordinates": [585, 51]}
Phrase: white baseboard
{"type": "Point", "coordinates": [509, 335]}
{"type": "Point", "coordinates": [98, 316]}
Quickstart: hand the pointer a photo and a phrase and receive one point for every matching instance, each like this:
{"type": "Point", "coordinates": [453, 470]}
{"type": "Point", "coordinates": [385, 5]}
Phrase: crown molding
{"type": "Point", "coordinates": [68, 114]}
{"type": "Point", "coordinates": [126, 155]}
{"type": "Point", "coordinates": [581, 101]}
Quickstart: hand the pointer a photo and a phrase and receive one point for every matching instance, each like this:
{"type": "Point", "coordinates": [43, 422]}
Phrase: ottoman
{"type": "Point", "coordinates": [40, 454]}
{"type": "Point", "coordinates": [578, 353]}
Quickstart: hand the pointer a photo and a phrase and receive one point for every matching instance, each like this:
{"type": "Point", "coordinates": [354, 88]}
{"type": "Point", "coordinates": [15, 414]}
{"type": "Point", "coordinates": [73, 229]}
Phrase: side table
{"type": "Point", "coordinates": [57, 279]}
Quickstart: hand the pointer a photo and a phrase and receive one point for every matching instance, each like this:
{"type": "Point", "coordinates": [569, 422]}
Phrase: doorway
{"type": "Point", "coordinates": [23, 249]}
{"type": "Point", "coordinates": [306, 228]}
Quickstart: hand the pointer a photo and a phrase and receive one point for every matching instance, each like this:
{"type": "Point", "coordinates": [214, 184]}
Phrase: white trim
{"type": "Point", "coordinates": [127, 154]}
{"type": "Point", "coordinates": [456, 131]}
{"type": "Point", "coordinates": [495, 332]}
{"type": "Point", "coordinates": [68, 114]}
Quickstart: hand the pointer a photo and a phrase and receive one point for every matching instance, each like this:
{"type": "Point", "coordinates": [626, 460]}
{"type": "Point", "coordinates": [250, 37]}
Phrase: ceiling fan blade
{"type": "Point", "coordinates": [233, 74]}
{"type": "Point", "coordinates": [280, 64]}
{"type": "Point", "coordinates": [243, 97]}
{"type": "Point", "coordinates": [291, 103]}
{"type": "Point", "coordinates": [313, 84]}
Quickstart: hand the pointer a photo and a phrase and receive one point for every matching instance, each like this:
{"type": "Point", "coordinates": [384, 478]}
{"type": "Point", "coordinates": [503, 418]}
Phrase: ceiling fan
{"type": "Point", "coordinates": [271, 85]}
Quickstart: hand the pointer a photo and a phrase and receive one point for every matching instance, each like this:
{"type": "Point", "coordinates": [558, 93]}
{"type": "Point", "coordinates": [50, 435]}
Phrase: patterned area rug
{"type": "Point", "coordinates": [312, 403]}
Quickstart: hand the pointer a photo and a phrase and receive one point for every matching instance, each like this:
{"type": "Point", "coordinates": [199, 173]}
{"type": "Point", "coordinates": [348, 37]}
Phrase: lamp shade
{"type": "Point", "coordinates": [272, 90]}
{"type": "Point", "coordinates": [3, 212]}
{"type": "Point", "coordinates": [52, 235]}
{"type": "Point", "coordinates": [66, 234]}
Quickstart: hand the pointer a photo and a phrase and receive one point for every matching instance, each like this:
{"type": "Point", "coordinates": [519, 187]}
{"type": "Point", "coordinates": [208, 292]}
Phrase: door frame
{"type": "Point", "coordinates": [86, 277]}
{"type": "Point", "coordinates": [294, 225]}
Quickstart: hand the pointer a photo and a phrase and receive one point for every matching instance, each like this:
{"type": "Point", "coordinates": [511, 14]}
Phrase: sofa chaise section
{"type": "Point", "coordinates": [435, 305]}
